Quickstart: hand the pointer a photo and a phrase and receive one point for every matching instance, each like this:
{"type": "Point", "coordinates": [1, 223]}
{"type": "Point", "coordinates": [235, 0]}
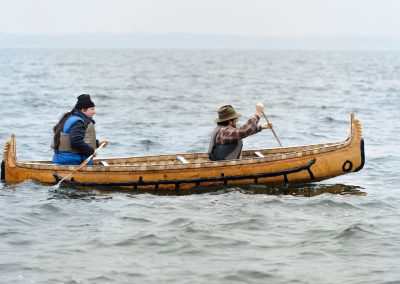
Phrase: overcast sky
{"type": "Point", "coordinates": [231, 17]}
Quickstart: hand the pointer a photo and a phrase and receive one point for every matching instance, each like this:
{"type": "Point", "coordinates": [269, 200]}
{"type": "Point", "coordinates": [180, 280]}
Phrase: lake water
{"type": "Point", "coordinates": [343, 230]}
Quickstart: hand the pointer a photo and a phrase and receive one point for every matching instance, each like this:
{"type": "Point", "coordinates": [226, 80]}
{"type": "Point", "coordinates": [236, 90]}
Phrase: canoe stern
{"type": "Point", "coordinates": [362, 156]}
{"type": "Point", "coordinates": [3, 170]}
{"type": "Point", "coordinates": [9, 157]}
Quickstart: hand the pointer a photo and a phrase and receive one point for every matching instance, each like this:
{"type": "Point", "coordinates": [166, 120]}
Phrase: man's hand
{"type": "Point", "coordinates": [266, 125]}
{"type": "Point", "coordinates": [259, 109]}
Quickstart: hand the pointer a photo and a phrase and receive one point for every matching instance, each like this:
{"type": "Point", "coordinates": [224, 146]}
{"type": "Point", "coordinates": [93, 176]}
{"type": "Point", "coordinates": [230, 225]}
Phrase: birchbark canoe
{"type": "Point", "coordinates": [283, 165]}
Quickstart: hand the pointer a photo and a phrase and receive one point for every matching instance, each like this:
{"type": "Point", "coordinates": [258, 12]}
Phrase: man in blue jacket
{"type": "Point", "coordinates": [75, 135]}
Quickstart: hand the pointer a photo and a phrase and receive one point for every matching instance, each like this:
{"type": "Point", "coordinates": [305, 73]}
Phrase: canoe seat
{"type": "Point", "coordinates": [259, 154]}
{"type": "Point", "coordinates": [182, 159]}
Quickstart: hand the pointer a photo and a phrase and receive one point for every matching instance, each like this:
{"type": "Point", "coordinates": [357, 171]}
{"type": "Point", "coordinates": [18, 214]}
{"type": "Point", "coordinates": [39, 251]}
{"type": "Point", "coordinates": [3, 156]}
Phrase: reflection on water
{"type": "Point", "coordinates": [306, 190]}
{"type": "Point", "coordinates": [71, 193]}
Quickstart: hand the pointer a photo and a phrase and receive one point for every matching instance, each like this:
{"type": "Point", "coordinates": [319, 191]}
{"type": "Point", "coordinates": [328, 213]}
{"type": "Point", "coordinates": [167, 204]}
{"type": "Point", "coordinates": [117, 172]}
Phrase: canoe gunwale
{"type": "Point", "coordinates": [198, 181]}
{"type": "Point", "coordinates": [191, 165]}
{"type": "Point", "coordinates": [170, 163]}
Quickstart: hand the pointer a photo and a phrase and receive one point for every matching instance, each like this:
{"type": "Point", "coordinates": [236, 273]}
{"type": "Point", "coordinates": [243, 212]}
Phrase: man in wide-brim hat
{"type": "Point", "coordinates": [226, 140]}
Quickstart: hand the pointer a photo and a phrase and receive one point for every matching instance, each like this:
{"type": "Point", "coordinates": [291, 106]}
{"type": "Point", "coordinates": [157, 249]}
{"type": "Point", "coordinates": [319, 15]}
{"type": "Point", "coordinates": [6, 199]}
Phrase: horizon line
{"type": "Point", "coordinates": [195, 34]}
{"type": "Point", "coordinates": [196, 41]}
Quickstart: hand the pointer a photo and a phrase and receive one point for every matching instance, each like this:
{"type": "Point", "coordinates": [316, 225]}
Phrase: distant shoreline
{"type": "Point", "coordinates": [198, 41]}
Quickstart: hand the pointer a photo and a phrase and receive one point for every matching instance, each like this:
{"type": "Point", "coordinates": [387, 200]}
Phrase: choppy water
{"type": "Point", "coordinates": [344, 230]}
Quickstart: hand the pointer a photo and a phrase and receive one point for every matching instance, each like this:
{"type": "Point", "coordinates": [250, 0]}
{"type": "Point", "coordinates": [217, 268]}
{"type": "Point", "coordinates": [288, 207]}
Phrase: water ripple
{"type": "Point", "coordinates": [358, 231]}
{"type": "Point", "coordinates": [344, 230]}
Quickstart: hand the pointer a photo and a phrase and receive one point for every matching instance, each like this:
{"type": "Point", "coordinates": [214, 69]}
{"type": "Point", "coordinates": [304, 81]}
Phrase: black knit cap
{"type": "Point", "coordinates": [84, 101]}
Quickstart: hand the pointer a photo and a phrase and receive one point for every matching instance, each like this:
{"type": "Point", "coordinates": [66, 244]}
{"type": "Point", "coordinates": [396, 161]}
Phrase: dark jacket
{"type": "Point", "coordinates": [73, 149]}
{"type": "Point", "coordinates": [77, 134]}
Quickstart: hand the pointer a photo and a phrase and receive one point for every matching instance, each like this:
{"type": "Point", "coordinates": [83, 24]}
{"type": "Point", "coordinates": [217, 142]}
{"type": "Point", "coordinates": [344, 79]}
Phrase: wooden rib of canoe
{"type": "Point", "coordinates": [298, 164]}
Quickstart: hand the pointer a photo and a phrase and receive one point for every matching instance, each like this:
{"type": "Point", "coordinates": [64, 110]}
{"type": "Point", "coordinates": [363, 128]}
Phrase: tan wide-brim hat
{"type": "Point", "coordinates": [226, 113]}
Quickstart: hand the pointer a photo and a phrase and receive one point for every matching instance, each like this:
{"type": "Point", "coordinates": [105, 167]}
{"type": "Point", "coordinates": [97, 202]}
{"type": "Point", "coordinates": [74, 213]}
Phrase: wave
{"type": "Point", "coordinates": [248, 276]}
{"type": "Point", "coordinates": [359, 231]}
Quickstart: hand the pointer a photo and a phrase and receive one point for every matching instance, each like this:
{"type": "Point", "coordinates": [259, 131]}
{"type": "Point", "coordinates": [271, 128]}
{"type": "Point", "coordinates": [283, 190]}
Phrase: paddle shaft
{"type": "Point", "coordinates": [273, 131]}
{"type": "Point", "coordinates": [81, 165]}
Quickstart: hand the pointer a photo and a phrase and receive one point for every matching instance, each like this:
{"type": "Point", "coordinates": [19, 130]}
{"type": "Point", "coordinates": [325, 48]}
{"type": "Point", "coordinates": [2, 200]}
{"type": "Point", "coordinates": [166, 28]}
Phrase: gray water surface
{"type": "Point", "coordinates": [343, 230]}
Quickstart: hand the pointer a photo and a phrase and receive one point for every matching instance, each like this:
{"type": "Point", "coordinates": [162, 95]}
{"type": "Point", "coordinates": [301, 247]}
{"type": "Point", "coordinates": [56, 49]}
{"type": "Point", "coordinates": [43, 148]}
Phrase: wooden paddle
{"type": "Point", "coordinates": [80, 166]}
{"type": "Point", "coordinates": [266, 118]}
